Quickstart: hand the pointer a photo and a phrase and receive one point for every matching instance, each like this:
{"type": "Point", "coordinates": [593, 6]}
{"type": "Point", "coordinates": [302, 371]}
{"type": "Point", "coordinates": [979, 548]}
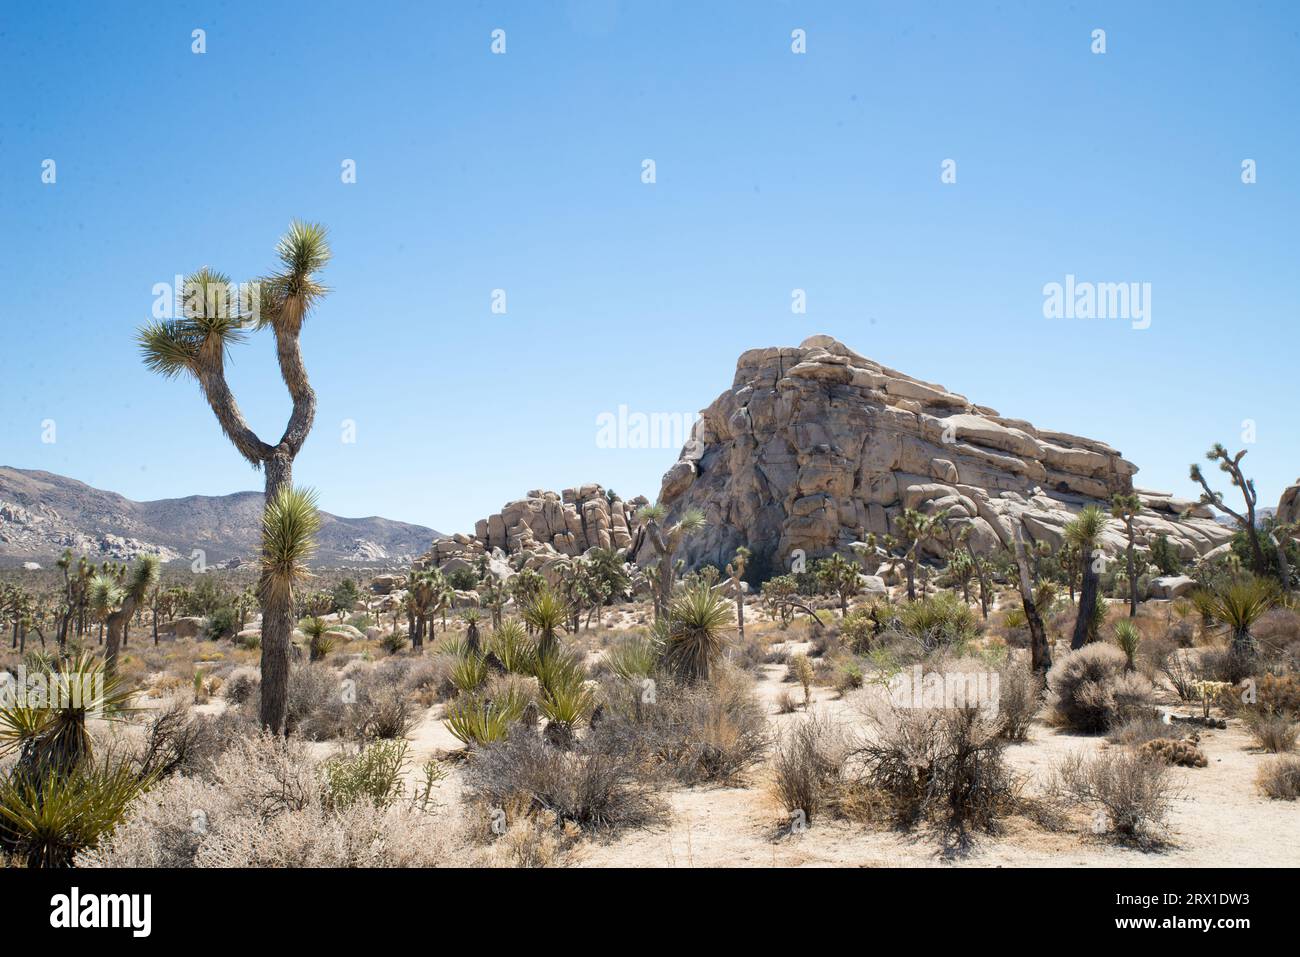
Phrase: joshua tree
{"type": "Point", "coordinates": [289, 527]}
{"type": "Point", "coordinates": [196, 345]}
{"type": "Point", "coordinates": [1232, 465]}
{"type": "Point", "coordinates": [471, 618]}
{"type": "Point", "coordinates": [1128, 638]}
{"type": "Point", "coordinates": [914, 529]}
{"type": "Point", "coordinates": [665, 542]}
{"type": "Point", "coordinates": [1084, 533]}
{"type": "Point", "coordinates": [320, 643]}
{"type": "Point", "coordinates": [1040, 652]}
{"type": "Point", "coordinates": [840, 576]}
{"type": "Point", "coordinates": [1126, 509]}
{"type": "Point", "coordinates": [115, 598]}
{"type": "Point", "coordinates": [736, 571]}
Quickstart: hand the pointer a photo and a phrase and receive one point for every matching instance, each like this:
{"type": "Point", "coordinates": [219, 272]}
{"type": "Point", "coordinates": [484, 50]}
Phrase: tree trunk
{"type": "Point", "coordinates": [277, 621]}
{"type": "Point", "coordinates": [911, 577]}
{"type": "Point", "coordinates": [1283, 566]}
{"type": "Point", "coordinates": [1132, 580]}
{"type": "Point", "coordinates": [1040, 652]}
{"type": "Point", "coordinates": [1087, 605]}
{"type": "Point", "coordinates": [117, 623]}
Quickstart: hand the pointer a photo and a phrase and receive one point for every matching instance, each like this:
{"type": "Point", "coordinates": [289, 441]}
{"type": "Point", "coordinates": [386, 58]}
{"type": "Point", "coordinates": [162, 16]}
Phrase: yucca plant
{"type": "Point", "coordinates": [634, 657]}
{"type": "Point", "coordinates": [546, 614]}
{"type": "Point", "coordinates": [567, 699]}
{"type": "Point", "coordinates": [469, 673]}
{"type": "Point", "coordinates": [476, 721]}
{"type": "Point", "coordinates": [1239, 604]}
{"type": "Point", "coordinates": [289, 528]}
{"type": "Point", "coordinates": [1128, 637]}
{"type": "Point", "coordinates": [514, 649]}
{"type": "Point", "coordinates": [320, 641]}
{"type": "Point", "coordinates": [50, 735]}
{"type": "Point", "coordinates": [694, 637]}
{"type": "Point", "coordinates": [197, 343]}
{"type": "Point", "coordinates": [46, 819]}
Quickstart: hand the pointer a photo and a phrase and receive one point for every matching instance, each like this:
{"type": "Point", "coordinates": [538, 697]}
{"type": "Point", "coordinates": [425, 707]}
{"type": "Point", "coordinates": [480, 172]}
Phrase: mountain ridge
{"type": "Point", "coordinates": [42, 513]}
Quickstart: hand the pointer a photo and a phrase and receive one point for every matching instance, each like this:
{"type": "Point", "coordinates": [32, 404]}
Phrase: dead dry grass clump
{"type": "Point", "coordinates": [1138, 731]}
{"type": "Point", "coordinates": [1019, 698]}
{"type": "Point", "coordinates": [1272, 732]}
{"type": "Point", "coordinates": [1279, 778]}
{"type": "Point", "coordinates": [594, 790]}
{"type": "Point", "coordinates": [710, 733]}
{"type": "Point", "coordinates": [1090, 690]}
{"type": "Point", "coordinates": [1130, 793]}
{"type": "Point", "coordinates": [808, 766]}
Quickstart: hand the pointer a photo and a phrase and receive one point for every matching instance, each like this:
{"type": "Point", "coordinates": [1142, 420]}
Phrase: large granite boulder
{"type": "Point", "coordinates": [813, 448]}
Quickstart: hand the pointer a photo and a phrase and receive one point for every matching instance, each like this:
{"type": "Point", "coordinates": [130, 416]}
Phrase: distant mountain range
{"type": "Point", "coordinates": [41, 514]}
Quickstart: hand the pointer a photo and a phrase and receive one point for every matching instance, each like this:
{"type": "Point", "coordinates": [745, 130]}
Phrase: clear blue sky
{"type": "Point", "coordinates": [775, 171]}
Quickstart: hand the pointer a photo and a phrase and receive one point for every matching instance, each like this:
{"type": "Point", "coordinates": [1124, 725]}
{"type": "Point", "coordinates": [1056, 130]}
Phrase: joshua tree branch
{"type": "Point", "coordinates": [226, 409]}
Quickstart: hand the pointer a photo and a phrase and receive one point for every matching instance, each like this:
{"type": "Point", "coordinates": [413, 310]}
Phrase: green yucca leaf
{"type": "Point", "coordinates": [289, 527]}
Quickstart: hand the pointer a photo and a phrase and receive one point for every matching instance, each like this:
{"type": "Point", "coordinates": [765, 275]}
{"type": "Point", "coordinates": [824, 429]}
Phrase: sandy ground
{"type": "Point", "coordinates": [1218, 819]}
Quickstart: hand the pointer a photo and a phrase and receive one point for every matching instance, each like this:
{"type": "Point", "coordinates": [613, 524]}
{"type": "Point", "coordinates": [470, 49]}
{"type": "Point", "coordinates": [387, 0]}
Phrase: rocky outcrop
{"type": "Point", "coordinates": [536, 530]}
{"type": "Point", "coordinates": [1288, 506]}
{"type": "Point", "coordinates": [815, 447]}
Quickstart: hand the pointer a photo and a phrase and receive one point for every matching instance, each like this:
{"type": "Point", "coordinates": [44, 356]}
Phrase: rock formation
{"type": "Point", "coordinates": [812, 448]}
{"type": "Point", "coordinates": [534, 531]}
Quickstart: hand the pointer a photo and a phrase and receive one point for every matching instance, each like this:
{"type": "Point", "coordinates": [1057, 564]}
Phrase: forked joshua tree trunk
{"type": "Point", "coordinates": [197, 344]}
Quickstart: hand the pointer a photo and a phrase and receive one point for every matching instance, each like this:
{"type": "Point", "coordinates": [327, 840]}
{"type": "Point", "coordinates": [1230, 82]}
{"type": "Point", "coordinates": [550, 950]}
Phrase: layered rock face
{"type": "Point", "coordinates": [814, 447]}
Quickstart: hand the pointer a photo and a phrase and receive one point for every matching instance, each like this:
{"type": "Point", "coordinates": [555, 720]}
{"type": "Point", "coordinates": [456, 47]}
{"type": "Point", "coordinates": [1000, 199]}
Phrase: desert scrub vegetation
{"type": "Point", "coordinates": [593, 789]}
{"type": "Point", "coordinates": [939, 765]}
{"type": "Point", "coordinates": [267, 803]}
{"type": "Point", "coordinates": [60, 797]}
{"type": "Point", "coordinates": [807, 768]}
{"type": "Point", "coordinates": [1279, 778]}
{"type": "Point", "coordinates": [1092, 690]}
{"type": "Point", "coordinates": [710, 732]}
{"type": "Point", "coordinates": [1129, 792]}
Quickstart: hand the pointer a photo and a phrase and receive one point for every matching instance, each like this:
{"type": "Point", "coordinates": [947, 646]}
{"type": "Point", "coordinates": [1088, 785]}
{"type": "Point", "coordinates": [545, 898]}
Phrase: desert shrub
{"type": "Point", "coordinates": [428, 678]}
{"type": "Point", "coordinates": [807, 766]}
{"type": "Point", "coordinates": [1279, 778]}
{"type": "Point", "coordinates": [750, 654]}
{"type": "Point", "coordinates": [463, 579]}
{"type": "Point", "coordinates": [242, 684]}
{"type": "Point", "coordinates": [800, 669]}
{"type": "Point", "coordinates": [939, 621]}
{"type": "Point", "coordinates": [393, 642]}
{"type": "Point", "coordinates": [382, 711]}
{"type": "Point", "coordinates": [1272, 732]}
{"type": "Point", "coordinates": [1176, 752]}
{"type": "Point", "coordinates": [1277, 633]}
{"type": "Point", "coordinates": [373, 774]}
{"type": "Point", "coordinates": [1226, 665]}
{"type": "Point", "coordinates": [1182, 675]}
{"type": "Point", "coordinates": [222, 623]}
{"type": "Point", "coordinates": [1019, 697]}
{"type": "Point", "coordinates": [857, 629]}
{"type": "Point", "coordinates": [1139, 730]}
{"type": "Point", "coordinates": [785, 703]}
{"type": "Point", "coordinates": [633, 657]}
{"type": "Point", "coordinates": [249, 642]}
{"type": "Point", "coordinates": [848, 676]}
{"type": "Point", "coordinates": [1090, 690]}
{"type": "Point", "coordinates": [593, 789]}
{"type": "Point", "coordinates": [1280, 694]}
{"type": "Point", "coordinates": [317, 710]}
{"type": "Point", "coordinates": [710, 732]}
{"type": "Point", "coordinates": [944, 765]}
{"type": "Point", "coordinates": [176, 741]}
{"type": "Point", "coordinates": [1130, 790]}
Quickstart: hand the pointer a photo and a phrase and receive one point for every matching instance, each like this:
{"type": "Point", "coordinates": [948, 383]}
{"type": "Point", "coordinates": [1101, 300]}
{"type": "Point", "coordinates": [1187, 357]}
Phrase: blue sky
{"type": "Point", "coordinates": [522, 172]}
